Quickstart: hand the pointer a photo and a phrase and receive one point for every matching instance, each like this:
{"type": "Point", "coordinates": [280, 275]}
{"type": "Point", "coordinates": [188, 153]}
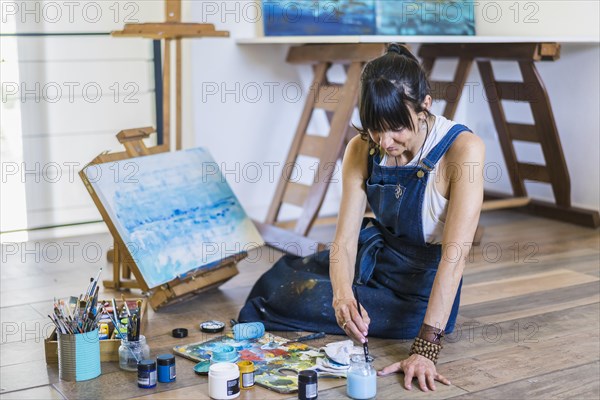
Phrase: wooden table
{"type": "Point", "coordinates": [324, 51]}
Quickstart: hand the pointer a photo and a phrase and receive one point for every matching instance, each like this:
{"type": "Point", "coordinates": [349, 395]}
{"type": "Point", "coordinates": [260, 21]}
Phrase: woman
{"type": "Point", "coordinates": [422, 176]}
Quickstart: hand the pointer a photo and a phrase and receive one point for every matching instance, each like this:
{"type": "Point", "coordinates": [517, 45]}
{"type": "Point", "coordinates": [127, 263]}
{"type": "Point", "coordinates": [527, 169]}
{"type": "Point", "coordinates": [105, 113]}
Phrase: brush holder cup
{"type": "Point", "coordinates": [133, 351]}
{"type": "Point", "coordinates": [79, 356]}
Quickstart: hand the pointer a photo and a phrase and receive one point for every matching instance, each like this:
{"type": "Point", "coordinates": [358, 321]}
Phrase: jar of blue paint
{"type": "Point", "coordinates": [146, 374]}
{"type": "Point", "coordinates": [224, 353]}
{"type": "Point", "coordinates": [362, 378]}
{"type": "Point", "coordinates": [308, 385]}
{"type": "Point", "coordinates": [166, 368]}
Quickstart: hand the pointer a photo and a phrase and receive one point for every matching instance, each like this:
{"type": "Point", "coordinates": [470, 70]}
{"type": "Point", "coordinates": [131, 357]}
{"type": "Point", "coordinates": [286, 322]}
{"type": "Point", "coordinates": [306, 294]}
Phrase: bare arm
{"type": "Point", "coordinates": [466, 196]}
{"type": "Point", "coordinates": [343, 254]}
{"type": "Point", "coordinates": [464, 207]}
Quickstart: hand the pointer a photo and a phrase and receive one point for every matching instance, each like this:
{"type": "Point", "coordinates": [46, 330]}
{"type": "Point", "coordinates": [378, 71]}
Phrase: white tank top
{"type": "Point", "coordinates": [435, 206]}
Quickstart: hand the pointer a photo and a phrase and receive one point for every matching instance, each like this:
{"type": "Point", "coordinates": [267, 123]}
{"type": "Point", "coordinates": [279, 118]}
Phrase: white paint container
{"type": "Point", "coordinates": [223, 381]}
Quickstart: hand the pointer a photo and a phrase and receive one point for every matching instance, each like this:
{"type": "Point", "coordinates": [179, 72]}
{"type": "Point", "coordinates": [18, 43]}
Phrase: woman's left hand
{"type": "Point", "coordinates": [418, 367]}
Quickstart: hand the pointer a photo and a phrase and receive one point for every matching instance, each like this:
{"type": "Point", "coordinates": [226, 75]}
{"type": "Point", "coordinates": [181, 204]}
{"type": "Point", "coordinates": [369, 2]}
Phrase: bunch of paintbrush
{"type": "Point", "coordinates": [133, 320]}
{"type": "Point", "coordinates": [83, 315]}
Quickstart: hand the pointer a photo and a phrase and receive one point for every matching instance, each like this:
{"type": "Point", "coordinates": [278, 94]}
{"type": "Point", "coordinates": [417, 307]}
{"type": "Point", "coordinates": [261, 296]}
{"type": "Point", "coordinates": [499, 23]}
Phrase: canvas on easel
{"type": "Point", "coordinates": [175, 217]}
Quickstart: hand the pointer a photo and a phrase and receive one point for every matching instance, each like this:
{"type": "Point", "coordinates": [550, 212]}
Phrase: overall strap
{"type": "Point", "coordinates": [432, 158]}
{"type": "Point", "coordinates": [370, 166]}
{"type": "Point", "coordinates": [371, 159]}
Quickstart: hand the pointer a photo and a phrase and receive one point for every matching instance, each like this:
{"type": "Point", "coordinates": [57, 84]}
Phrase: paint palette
{"type": "Point", "coordinates": [276, 363]}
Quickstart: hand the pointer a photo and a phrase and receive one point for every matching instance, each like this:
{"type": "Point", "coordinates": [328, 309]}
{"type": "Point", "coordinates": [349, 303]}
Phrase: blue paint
{"type": "Point", "coordinates": [166, 368]}
{"type": "Point", "coordinates": [361, 377]}
{"type": "Point", "coordinates": [224, 353]}
{"type": "Point", "coordinates": [250, 330]}
{"type": "Point", "coordinates": [147, 374]}
{"type": "Point", "coordinates": [361, 387]}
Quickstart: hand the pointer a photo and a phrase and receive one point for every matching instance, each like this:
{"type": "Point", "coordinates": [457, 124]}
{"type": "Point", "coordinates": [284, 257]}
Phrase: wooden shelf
{"type": "Point", "coordinates": [169, 30]}
{"type": "Point", "coordinates": [417, 39]}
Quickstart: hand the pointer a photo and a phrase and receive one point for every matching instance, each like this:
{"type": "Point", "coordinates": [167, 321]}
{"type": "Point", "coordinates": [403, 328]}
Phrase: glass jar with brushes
{"type": "Point", "coordinates": [133, 351]}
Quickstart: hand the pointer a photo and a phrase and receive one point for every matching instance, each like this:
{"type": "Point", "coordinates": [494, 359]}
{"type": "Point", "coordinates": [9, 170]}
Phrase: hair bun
{"type": "Point", "coordinates": [395, 48]}
{"type": "Point", "coordinates": [400, 50]}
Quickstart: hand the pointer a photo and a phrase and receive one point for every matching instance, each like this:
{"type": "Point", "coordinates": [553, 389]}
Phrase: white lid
{"type": "Point", "coordinates": [223, 369]}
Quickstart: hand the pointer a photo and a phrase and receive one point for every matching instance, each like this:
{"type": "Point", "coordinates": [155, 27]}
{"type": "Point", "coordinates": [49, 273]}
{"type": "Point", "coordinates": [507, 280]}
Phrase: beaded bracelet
{"type": "Point", "coordinates": [425, 349]}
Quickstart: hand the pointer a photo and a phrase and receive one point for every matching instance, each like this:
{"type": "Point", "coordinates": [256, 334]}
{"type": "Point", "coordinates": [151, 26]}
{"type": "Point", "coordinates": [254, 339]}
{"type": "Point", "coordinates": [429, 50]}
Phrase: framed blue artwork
{"type": "Point", "coordinates": [368, 17]}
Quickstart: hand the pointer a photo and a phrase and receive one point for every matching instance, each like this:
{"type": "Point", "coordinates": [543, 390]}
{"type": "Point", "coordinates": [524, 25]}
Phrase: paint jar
{"type": "Point", "coordinates": [246, 374]}
{"type": "Point", "coordinates": [166, 368]}
{"type": "Point", "coordinates": [131, 352]}
{"type": "Point", "coordinates": [249, 330]}
{"type": "Point", "coordinates": [224, 353]}
{"type": "Point", "coordinates": [307, 385]}
{"type": "Point", "coordinates": [146, 374]}
{"type": "Point", "coordinates": [123, 324]}
{"type": "Point", "coordinates": [361, 378]}
{"type": "Point", "coordinates": [223, 381]}
{"type": "Point", "coordinates": [103, 332]}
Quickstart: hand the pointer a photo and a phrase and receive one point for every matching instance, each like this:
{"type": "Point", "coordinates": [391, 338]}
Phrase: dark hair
{"type": "Point", "coordinates": [389, 85]}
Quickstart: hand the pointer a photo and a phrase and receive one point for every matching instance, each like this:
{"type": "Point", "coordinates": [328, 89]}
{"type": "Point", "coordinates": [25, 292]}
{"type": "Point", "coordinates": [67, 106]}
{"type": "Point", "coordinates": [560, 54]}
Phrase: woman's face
{"type": "Point", "coordinates": [396, 142]}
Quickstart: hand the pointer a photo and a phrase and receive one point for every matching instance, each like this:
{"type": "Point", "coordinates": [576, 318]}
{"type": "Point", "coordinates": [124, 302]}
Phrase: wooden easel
{"type": "Point", "coordinates": [171, 31]}
{"type": "Point", "coordinates": [124, 264]}
{"type": "Point", "coordinates": [338, 101]}
{"type": "Point", "coordinates": [543, 131]}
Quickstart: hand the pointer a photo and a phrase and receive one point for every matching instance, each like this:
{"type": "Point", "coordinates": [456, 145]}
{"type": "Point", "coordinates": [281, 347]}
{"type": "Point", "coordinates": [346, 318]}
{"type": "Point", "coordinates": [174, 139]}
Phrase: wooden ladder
{"type": "Point", "coordinates": [338, 101]}
{"type": "Point", "coordinates": [543, 131]}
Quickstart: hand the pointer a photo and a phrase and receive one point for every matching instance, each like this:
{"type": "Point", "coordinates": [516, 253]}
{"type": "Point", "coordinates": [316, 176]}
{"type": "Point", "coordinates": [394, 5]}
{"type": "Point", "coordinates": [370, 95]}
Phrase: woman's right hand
{"type": "Point", "coordinates": [348, 318]}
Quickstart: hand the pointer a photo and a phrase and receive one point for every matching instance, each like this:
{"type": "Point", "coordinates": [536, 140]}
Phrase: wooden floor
{"type": "Point", "coordinates": [528, 323]}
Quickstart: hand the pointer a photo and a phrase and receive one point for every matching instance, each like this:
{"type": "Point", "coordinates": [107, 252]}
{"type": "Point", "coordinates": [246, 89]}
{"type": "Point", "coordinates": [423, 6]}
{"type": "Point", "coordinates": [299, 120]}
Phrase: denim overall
{"type": "Point", "coordinates": [395, 267]}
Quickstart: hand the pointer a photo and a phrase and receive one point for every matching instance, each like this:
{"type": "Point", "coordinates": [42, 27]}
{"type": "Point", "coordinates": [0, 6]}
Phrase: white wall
{"type": "Point", "coordinates": [537, 18]}
{"type": "Point", "coordinates": [239, 125]}
{"type": "Point", "coordinates": [257, 130]}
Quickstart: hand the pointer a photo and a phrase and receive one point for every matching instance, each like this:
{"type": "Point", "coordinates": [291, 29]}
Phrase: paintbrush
{"type": "Point", "coordinates": [125, 305]}
{"type": "Point", "coordinates": [57, 324]}
{"type": "Point", "coordinates": [306, 338]}
{"type": "Point", "coordinates": [365, 344]}
{"type": "Point", "coordinates": [114, 307]}
{"type": "Point", "coordinates": [136, 333]}
{"type": "Point", "coordinates": [95, 283]}
{"type": "Point", "coordinates": [94, 301]}
{"type": "Point", "coordinates": [89, 288]}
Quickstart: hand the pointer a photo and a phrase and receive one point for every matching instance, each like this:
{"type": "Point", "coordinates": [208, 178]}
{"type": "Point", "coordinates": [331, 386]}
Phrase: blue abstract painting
{"type": "Point", "coordinates": [174, 211]}
{"type": "Point", "coordinates": [305, 17]}
{"type": "Point", "coordinates": [430, 17]}
{"type": "Point", "coordinates": [368, 17]}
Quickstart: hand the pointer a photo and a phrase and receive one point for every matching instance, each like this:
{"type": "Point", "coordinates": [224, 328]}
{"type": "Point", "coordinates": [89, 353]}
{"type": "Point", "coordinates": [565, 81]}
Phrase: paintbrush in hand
{"type": "Point", "coordinates": [365, 344]}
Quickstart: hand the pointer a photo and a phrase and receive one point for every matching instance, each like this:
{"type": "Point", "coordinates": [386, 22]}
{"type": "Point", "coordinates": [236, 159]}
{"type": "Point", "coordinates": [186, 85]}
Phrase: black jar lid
{"type": "Point", "coordinates": [212, 326]}
{"type": "Point", "coordinates": [165, 359]}
{"type": "Point", "coordinates": [146, 365]}
{"type": "Point", "coordinates": [179, 333]}
{"type": "Point", "coordinates": [307, 376]}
